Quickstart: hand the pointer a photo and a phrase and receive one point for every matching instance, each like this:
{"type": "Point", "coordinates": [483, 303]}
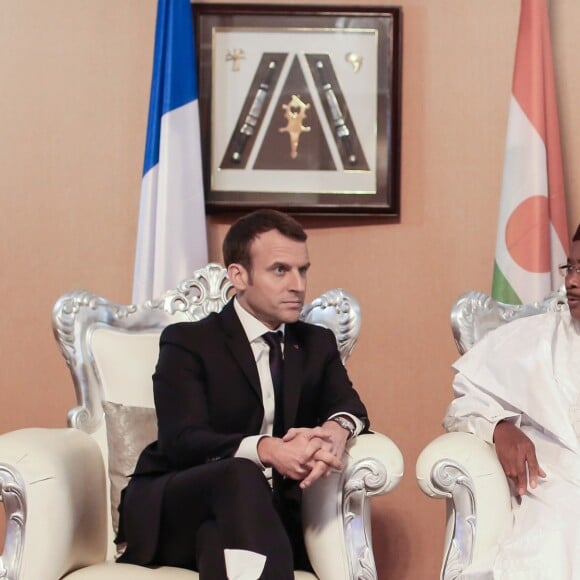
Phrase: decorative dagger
{"type": "Point", "coordinates": [340, 127]}
{"type": "Point", "coordinates": [253, 116]}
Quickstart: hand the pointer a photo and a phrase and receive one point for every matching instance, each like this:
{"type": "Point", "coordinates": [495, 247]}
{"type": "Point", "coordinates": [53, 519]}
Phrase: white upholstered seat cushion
{"type": "Point", "coordinates": [114, 571]}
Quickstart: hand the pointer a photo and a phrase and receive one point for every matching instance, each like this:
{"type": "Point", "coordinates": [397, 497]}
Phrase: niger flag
{"type": "Point", "coordinates": [532, 234]}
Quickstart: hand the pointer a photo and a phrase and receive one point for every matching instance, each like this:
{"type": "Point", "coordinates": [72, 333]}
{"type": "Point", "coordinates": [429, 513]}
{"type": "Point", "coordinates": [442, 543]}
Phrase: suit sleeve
{"type": "Point", "coordinates": [185, 435]}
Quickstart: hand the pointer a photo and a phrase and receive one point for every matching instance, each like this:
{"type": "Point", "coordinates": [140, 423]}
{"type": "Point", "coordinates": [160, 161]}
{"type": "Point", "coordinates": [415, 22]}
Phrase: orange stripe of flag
{"type": "Point", "coordinates": [534, 89]}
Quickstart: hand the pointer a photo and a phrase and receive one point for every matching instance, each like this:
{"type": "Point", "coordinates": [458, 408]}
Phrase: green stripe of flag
{"type": "Point", "coordinates": [501, 288]}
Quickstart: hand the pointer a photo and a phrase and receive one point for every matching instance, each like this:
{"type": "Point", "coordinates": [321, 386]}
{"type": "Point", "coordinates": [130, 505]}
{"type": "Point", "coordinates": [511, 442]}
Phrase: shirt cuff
{"type": "Point", "coordinates": [511, 418]}
{"type": "Point", "coordinates": [248, 449]}
{"type": "Point", "coordinates": [487, 428]}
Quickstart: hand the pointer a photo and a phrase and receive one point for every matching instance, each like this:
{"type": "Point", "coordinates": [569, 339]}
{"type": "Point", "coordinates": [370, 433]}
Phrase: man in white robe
{"type": "Point", "coordinates": [519, 388]}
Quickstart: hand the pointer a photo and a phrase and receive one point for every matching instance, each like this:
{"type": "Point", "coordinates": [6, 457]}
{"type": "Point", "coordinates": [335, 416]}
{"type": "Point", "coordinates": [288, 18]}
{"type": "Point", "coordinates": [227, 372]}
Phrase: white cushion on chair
{"type": "Point", "coordinates": [126, 362]}
{"type": "Point", "coordinates": [114, 571]}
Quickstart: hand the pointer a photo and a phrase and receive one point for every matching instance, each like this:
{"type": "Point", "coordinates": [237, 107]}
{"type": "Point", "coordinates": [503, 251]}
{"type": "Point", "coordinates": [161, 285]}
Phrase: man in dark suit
{"type": "Point", "coordinates": [243, 428]}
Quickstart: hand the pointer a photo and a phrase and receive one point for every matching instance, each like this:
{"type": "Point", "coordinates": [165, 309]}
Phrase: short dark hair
{"type": "Point", "coordinates": [236, 246]}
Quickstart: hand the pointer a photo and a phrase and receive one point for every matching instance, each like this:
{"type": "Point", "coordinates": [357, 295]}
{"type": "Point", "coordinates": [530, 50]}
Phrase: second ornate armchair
{"type": "Point", "coordinates": [60, 487]}
{"type": "Point", "coordinates": [463, 469]}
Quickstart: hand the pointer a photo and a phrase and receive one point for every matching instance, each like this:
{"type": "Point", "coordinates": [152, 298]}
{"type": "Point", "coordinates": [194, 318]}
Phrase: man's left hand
{"type": "Point", "coordinates": [334, 438]}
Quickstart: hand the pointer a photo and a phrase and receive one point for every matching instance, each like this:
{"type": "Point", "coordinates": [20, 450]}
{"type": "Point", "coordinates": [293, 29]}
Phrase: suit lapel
{"type": "Point", "coordinates": [240, 348]}
{"type": "Point", "coordinates": [293, 367]}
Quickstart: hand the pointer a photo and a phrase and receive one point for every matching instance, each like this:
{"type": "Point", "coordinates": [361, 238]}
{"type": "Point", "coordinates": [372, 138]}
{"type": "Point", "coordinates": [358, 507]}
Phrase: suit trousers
{"type": "Point", "coordinates": [223, 505]}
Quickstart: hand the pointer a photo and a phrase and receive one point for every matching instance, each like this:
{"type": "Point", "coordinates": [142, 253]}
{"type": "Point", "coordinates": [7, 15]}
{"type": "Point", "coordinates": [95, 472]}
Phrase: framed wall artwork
{"type": "Point", "coordinates": [300, 108]}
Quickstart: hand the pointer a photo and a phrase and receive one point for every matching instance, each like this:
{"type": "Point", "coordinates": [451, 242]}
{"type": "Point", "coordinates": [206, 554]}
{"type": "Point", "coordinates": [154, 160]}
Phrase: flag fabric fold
{"type": "Point", "coordinates": [171, 237]}
{"type": "Point", "coordinates": [532, 233]}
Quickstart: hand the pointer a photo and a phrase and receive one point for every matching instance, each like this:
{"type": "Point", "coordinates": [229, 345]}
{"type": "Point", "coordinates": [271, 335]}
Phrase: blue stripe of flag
{"type": "Point", "coordinates": [174, 81]}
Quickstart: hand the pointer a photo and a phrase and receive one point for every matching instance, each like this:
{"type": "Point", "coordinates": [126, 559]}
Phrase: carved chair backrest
{"type": "Point", "coordinates": [474, 314]}
{"type": "Point", "coordinates": [111, 349]}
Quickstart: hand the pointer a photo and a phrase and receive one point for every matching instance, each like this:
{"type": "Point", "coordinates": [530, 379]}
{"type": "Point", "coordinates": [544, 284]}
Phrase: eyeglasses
{"type": "Point", "coordinates": [569, 269]}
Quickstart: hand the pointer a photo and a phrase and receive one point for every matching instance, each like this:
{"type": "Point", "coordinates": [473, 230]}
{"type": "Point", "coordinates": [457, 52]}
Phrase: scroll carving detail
{"type": "Point", "coordinates": [452, 480]}
{"type": "Point", "coordinates": [339, 311]}
{"type": "Point", "coordinates": [364, 479]}
{"type": "Point", "coordinates": [476, 313]}
{"type": "Point", "coordinates": [13, 496]}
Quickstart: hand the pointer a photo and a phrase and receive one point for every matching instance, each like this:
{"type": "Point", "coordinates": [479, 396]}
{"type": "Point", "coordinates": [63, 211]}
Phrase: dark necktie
{"type": "Point", "coordinates": [274, 340]}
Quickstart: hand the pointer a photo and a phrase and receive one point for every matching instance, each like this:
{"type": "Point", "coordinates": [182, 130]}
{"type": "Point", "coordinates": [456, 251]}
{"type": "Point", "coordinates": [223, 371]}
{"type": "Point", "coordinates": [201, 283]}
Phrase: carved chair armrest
{"type": "Point", "coordinates": [466, 472]}
{"type": "Point", "coordinates": [52, 484]}
{"type": "Point", "coordinates": [336, 509]}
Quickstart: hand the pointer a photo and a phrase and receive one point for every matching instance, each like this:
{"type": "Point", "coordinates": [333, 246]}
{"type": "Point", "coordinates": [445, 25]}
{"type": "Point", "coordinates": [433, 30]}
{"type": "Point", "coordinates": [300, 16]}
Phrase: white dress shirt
{"type": "Point", "coordinates": [254, 330]}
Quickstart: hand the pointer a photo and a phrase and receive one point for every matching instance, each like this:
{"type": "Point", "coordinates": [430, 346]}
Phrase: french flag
{"type": "Point", "coordinates": [171, 237]}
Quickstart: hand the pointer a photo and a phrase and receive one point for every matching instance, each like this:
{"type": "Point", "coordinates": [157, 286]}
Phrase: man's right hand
{"type": "Point", "coordinates": [295, 458]}
{"type": "Point", "coordinates": [517, 455]}
{"type": "Point", "coordinates": [333, 438]}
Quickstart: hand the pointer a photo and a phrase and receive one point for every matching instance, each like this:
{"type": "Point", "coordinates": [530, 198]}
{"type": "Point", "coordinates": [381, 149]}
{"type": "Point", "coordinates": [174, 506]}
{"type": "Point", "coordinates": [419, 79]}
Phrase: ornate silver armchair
{"type": "Point", "coordinates": [60, 487]}
{"type": "Point", "coordinates": [463, 469]}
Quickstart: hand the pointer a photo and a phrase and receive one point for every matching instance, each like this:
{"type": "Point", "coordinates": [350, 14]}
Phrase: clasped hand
{"type": "Point", "coordinates": [305, 454]}
{"type": "Point", "coordinates": [517, 455]}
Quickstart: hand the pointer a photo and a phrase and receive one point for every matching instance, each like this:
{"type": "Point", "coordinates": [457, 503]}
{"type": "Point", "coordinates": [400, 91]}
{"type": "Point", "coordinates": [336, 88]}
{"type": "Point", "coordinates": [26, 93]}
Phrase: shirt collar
{"type": "Point", "coordinates": [253, 327]}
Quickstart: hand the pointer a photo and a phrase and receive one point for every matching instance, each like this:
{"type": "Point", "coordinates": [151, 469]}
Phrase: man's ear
{"type": "Point", "coordinates": [238, 276]}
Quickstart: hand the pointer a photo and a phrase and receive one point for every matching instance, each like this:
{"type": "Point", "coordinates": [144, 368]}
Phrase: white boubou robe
{"type": "Point", "coordinates": [528, 371]}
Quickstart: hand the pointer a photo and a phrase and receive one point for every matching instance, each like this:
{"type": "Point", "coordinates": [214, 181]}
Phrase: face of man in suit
{"type": "Point", "coordinates": [273, 289]}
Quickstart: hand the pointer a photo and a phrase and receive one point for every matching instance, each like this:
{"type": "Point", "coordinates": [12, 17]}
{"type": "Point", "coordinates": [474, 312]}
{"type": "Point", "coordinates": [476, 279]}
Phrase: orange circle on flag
{"type": "Point", "coordinates": [527, 235]}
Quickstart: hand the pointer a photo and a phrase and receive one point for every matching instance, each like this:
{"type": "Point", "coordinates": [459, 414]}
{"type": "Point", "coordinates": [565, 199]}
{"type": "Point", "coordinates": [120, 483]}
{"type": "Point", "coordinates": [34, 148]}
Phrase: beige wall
{"type": "Point", "coordinates": [75, 88]}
